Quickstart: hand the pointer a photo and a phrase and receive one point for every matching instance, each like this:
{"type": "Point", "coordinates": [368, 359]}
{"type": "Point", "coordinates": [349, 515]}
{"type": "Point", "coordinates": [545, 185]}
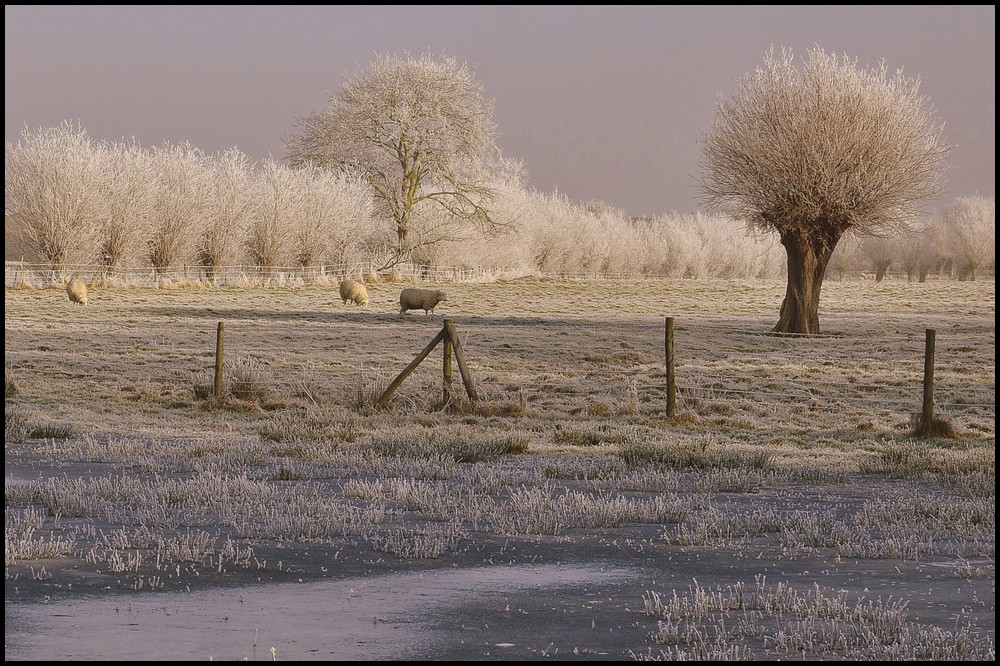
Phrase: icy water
{"type": "Point", "coordinates": [381, 618]}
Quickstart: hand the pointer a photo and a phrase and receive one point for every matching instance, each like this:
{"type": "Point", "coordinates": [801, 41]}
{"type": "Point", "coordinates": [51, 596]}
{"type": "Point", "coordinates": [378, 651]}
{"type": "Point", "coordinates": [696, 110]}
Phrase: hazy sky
{"type": "Point", "coordinates": [600, 102]}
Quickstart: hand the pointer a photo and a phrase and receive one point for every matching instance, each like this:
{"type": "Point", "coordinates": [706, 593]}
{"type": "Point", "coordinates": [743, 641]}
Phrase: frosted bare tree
{"type": "Point", "coordinates": [127, 188]}
{"type": "Point", "coordinates": [183, 185]}
{"type": "Point", "coordinates": [418, 131]}
{"type": "Point", "coordinates": [847, 258]}
{"type": "Point", "coordinates": [333, 216]}
{"type": "Point", "coordinates": [431, 230]}
{"type": "Point", "coordinates": [599, 208]}
{"type": "Point", "coordinates": [919, 252]}
{"type": "Point", "coordinates": [268, 241]}
{"type": "Point", "coordinates": [52, 180]}
{"type": "Point", "coordinates": [969, 229]}
{"type": "Point", "coordinates": [352, 231]}
{"type": "Point", "coordinates": [515, 204]}
{"type": "Point", "coordinates": [879, 252]}
{"type": "Point", "coordinates": [812, 153]}
{"type": "Point", "coordinates": [229, 209]}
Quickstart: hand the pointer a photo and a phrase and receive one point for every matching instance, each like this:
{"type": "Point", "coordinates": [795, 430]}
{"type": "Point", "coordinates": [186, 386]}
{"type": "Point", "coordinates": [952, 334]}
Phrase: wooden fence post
{"type": "Point", "coordinates": [927, 415]}
{"type": "Point", "coordinates": [219, 343]}
{"type": "Point", "coordinates": [449, 335]}
{"type": "Point", "coordinates": [446, 367]}
{"type": "Point", "coordinates": [670, 378]}
{"type": "Point", "coordinates": [463, 368]}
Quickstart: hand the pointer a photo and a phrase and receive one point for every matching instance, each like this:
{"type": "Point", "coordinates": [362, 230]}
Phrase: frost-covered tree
{"type": "Point", "coordinates": [599, 208]}
{"type": "Point", "coordinates": [846, 258]}
{"type": "Point", "coordinates": [812, 153]}
{"type": "Point", "coordinates": [268, 241]}
{"type": "Point", "coordinates": [969, 229]}
{"type": "Point", "coordinates": [516, 207]}
{"type": "Point", "coordinates": [52, 179]}
{"type": "Point", "coordinates": [333, 216]}
{"type": "Point", "coordinates": [126, 187]}
{"type": "Point", "coordinates": [730, 252]}
{"type": "Point", "coordinates": [919, 252]}
{"type": "Point", "coordinates": [419, 132]}
{"type": "Point", "coordinates": [181, 191]}
{"type": "Point", "coordinates": [229, 209]}
{"type": "Point", "coordinates": [879, 253]}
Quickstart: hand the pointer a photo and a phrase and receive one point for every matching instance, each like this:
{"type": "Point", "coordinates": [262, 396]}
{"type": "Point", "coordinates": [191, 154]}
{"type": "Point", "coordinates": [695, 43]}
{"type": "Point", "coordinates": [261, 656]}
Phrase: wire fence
{"type": "Point", "coordinates": [746, 375]}
{"type": "Point", "coordinates": [18, 273]}
{"type": "Point", "coordinates": [716, 387]}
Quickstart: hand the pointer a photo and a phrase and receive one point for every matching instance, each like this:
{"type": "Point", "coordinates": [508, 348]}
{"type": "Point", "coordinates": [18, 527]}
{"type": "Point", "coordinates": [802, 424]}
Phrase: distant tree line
{"type": "Point", "coordinates": [958, 242]}
{"type": "Point", "coordinates": [118, 206]}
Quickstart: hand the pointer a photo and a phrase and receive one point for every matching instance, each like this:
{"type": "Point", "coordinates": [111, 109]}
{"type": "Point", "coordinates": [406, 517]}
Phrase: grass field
{"type": "Point", "coordinates": [120, 462]}
{"type": "Point", "coordinates": [546, 355]}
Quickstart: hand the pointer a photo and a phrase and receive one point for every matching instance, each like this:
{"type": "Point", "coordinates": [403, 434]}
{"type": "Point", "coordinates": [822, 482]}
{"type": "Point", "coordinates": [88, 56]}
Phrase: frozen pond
{"type": "Point", "coordinates": [379, 618]}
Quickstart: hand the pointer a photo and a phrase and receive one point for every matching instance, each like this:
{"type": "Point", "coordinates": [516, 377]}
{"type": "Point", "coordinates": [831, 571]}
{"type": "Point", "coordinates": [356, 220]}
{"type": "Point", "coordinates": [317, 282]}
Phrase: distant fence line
{"type": "Point", "coordinates": [17, 273]}
{"type": "Point", "coordinates": [24, 274]}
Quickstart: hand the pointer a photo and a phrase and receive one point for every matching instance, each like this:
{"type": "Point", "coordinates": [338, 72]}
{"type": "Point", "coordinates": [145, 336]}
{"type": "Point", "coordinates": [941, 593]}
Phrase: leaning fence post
{"type": "Point", "coordinates": [384, 398]}
{"type": "Point", "coordinates": [668, 344]}
{"type": "Point", "coordinates": [927, 416]}
{"type": "Point", "coordinates": [219, 340]}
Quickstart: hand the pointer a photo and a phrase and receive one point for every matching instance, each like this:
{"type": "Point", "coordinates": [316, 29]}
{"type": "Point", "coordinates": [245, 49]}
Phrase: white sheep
{"type": "Point", "coordinates": [420, 299]}
{"type": "Point", "coordinates": [76, 289]}
{"type": "Point", "coordinates": [352, 290]}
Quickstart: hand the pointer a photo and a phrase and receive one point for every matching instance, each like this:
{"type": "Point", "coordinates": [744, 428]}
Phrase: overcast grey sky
{"type": "Point", "coordinates": [600, 102]}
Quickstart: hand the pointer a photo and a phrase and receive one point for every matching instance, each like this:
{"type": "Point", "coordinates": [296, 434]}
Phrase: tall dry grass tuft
{"type": "Point", "coordinates": [369, 388]}
{"type": "Point", "coordinates": [249, 379]}
{"type": "Point", "coordinates": [10, 387]}
{"type": "Point", "coordinates": [16, 424]}
{"type": "Point", "coordinates": [938, 427]}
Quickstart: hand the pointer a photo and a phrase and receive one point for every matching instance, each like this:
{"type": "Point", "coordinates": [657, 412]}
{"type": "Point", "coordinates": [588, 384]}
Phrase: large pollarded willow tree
{"type": "Point", "coordinates": [812, 153]}
{"type": "Point", "coordinates": [419, 132]}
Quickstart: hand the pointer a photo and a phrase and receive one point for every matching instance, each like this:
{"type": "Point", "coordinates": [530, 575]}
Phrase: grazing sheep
{"type": "Point", "coordinates": [76, 289]}
{"type": "Point", "coordinates": [420, 299]}
{"type": "Point", "coordinates": [352, 290]}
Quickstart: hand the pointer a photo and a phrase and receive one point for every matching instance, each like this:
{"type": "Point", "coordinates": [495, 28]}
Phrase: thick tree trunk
{"type": "Point", "coordinates": [808, 257]}
{"type": "Point", "coordinates": [401, 234]}
{"type": "Point", "coordinates": [400, 255]}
